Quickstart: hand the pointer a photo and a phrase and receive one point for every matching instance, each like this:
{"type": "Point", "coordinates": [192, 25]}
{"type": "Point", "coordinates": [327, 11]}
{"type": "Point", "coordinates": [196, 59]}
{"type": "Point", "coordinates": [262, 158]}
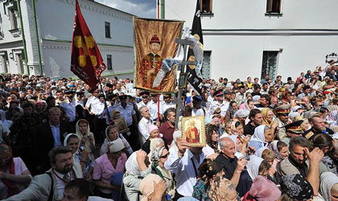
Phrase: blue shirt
{"type": "Point", "coordinates": [69, 109]}
{"type": "Point", "coordinates": [56, 135]}
{"type": "Point", "coordinates": [127, 113]}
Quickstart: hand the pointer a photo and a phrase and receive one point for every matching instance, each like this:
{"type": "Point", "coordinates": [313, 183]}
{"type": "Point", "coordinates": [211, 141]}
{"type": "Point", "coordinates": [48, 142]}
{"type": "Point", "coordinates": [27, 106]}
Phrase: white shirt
{"type": "Point", "coordinates": [185, 170]}
{"type": "Point", "coordinates": [140, 104]}
{"type": "Point", "coordinates": [207, 150]}
{"type": "Point", "coordinates": [197, 112]}
{"type": "Point", "coordinates": [95, 105]}
{"type": "Point", "coordinates": [96, 198]}
{"type": "Point", "coordinates": [143, 126]}
{"type": "Point", "coordinates": [165, 106]}
{"type": "Point", "coordinates": [153, 109]}
{"type": "Point", "coordinates": [224, 107]}
{"type": "Point", "coordinates": [60, 184]}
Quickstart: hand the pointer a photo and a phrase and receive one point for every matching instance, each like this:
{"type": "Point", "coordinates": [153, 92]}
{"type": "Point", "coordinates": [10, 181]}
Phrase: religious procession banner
{"type": "Point", "coordinates": [86, 59]}
{"type": "Point", "coordinates": [154, 41]}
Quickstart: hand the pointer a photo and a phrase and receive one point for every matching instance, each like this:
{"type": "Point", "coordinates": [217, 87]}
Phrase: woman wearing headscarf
{"type": "Point", "coordinates": [269, 119]}
{"type": "Point", "coordinates": [153, 187]}
{"type": "Point", "coordinates": [329, 186]}
{"type": "Point", "coordinates": [206, 172]}
{"type": "Point", "coordinates": [253, 166]}
{"type": "Point", "coordinates": [137, 167]}
{"type": "Point", "coordinates": [261, 137]}
{"type": "Point", "coordinates": [87, 140]}
{"type": "Point", "coordinates": [158, 157]}
{"type": "Point", "coordinates": [262, 189]}
{"type": "Point", "coordinates": [295, 187]}
{"type": "Point", "coordinates": [80, 157]}
{"type": "Point", "coordinates": [112, 135]}
{"type": "Point", "coordinates": [109, 169]}
{"type": "Point", "coordinates": [281, 149]}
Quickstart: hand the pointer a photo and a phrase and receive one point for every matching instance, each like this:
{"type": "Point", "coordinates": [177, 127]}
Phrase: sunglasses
{"type": "Point", "coordinates": [164, 156]}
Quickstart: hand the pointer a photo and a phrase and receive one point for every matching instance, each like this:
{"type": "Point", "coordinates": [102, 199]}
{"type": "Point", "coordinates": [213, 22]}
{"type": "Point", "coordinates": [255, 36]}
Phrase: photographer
{"type": "Point", "coordinates": [234, 169]}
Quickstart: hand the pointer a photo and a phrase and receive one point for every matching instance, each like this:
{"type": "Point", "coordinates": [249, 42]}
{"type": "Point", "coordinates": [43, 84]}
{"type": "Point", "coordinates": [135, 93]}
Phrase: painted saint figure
{"type": "Point", "coordinates": [191, 133]}
{"type": "Point", "coordinates": [151, 63]}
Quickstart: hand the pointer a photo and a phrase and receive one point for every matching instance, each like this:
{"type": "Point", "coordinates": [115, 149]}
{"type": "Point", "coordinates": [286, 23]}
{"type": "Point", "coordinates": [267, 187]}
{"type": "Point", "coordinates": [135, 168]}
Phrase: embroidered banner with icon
{"type": "Point", "coordinates": [86, 59]}
{"type": "Point", "coordinates": [155, 41]}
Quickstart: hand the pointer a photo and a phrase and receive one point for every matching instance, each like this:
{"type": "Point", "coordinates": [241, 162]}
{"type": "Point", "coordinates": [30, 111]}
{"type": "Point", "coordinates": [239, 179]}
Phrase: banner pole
{"type": "Point", "coordinates": [182, 84]}
{"type": "Point", "coordinates": [105, 101]}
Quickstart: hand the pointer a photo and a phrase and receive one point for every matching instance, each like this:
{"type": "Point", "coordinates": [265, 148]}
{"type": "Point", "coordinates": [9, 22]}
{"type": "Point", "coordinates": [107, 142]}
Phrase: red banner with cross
{"type": "Point", "coordinates": [86, 59]}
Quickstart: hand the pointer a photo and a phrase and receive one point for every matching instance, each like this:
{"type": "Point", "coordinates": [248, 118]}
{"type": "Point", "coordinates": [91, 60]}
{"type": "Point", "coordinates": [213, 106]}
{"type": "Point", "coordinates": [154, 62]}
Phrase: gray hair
{"type": "Point", "coordinates": [142, 107]}
{"type": "Point", "coordinates": [223, 142]}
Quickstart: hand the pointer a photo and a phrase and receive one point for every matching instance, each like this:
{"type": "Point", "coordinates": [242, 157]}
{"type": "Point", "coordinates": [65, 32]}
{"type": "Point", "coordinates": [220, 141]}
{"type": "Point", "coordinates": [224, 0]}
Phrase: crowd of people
{"type": "Point", "coordinates": [266, 140]}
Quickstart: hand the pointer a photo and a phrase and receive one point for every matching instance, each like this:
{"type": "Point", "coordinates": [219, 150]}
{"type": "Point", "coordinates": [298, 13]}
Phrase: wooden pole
{"type": "Point", "coordinates": [182, 81]}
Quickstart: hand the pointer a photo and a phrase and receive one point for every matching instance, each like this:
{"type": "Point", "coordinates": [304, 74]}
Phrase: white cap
{"type": "Point", "coordinates": [116, 145]}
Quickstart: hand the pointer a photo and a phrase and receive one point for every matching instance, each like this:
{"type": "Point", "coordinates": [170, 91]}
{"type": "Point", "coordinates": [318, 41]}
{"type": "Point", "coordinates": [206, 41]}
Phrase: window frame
{"type": "Point", "coordinates": [13, 18]}
{"type": "Point", "coordinates": [267, 68]}
{"type": "Point", "coordinates": [109, 64]}
{"type": "Point", "coordinates": [5, 61]}
{"type": "Point", "coordinates": [107, 31]}
{"type": "Point", "coordinates": [272, 12]}
{"type": "Point", "coordinates": [210, 13]}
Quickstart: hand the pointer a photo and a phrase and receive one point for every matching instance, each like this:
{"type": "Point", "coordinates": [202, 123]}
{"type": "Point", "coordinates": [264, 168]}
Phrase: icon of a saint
{"type": "Point", "coordinates": [191, 133]}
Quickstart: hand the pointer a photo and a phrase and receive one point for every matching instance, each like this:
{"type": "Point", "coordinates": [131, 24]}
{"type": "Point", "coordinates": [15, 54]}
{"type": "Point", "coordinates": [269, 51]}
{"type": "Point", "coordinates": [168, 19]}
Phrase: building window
{"type": "Point", "coordinates": [206, 64]}
{"type": "Point", "coordinates": [107, 29]}
{"type": "Point", "coordinates": [273, 7]}
{"type": "Point", "coordinates": [3, 62]}
{"type": "Point", "coordinates": [109, 62]}
{"type": "Point", "coordinates": [269, 64]}
{"type": "Point", "coordinates": [13, 18]}
{"type": "Point", "coordinates": [206, 7]}
{"type": "Point", "coordinates": [1, 31]}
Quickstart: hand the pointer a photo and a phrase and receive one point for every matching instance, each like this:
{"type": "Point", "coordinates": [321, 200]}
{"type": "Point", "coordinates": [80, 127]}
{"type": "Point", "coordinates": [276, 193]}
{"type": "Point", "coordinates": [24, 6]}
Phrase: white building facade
{"type": "Point", "coordinates": [35, 37]}
{"type": "Point", "coordinates": [258, 37]}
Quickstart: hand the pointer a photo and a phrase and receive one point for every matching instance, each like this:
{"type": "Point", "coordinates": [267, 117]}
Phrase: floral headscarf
{"type": "Point", "coordinates": [296, 187]}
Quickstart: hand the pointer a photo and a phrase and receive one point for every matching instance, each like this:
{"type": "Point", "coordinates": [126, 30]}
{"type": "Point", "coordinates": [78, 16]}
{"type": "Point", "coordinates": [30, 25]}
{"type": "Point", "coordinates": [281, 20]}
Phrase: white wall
{"type": "Point", "coordinates": [241, 32]}
{"type": "Point", "coordinates": [229, 14]}
{"type": "Point", "coordinates": [56, 19]}
{"type": "Point", "coordinates": [56, 32]}
{"type": "Point", "coordinates": [241, 56]}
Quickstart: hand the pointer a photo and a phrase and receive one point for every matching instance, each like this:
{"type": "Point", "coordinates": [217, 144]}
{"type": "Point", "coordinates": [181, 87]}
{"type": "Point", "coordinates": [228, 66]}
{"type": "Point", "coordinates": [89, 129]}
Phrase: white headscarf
{"type": "Point", "coordinates": [259, 152]}
{"type": "Point", "coordinates": [65, 141]}
{"type": "Point", "coordinates": [259, 133]}
{"type": "Point", "coordinates": [328, 179]}
{"type": "Point", "coordinates": [131, 165]}
{"type": "Point", "coordinates": [253, 166]}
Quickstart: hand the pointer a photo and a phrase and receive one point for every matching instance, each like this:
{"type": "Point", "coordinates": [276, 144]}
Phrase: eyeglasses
{"type": "Point", "coordinates": [165, 156]}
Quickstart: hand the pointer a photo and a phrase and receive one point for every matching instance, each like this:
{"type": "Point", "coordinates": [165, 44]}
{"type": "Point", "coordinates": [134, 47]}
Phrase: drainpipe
{"type": "Point", "coordinates": [37, 36]}
{"type": "Point", "coordinates": [23, 37]}
{"type": "Point", "coordinates": [162, 9]}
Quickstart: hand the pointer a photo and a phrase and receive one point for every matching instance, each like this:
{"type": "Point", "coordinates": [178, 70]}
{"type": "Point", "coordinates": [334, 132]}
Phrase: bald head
{"type": "Point", "coordinates": [227, 146]}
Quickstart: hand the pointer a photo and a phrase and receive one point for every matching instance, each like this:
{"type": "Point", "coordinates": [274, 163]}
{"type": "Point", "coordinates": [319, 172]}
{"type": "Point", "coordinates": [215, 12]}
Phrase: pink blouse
{"type": "Point", "coordinates": [103, 169]}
